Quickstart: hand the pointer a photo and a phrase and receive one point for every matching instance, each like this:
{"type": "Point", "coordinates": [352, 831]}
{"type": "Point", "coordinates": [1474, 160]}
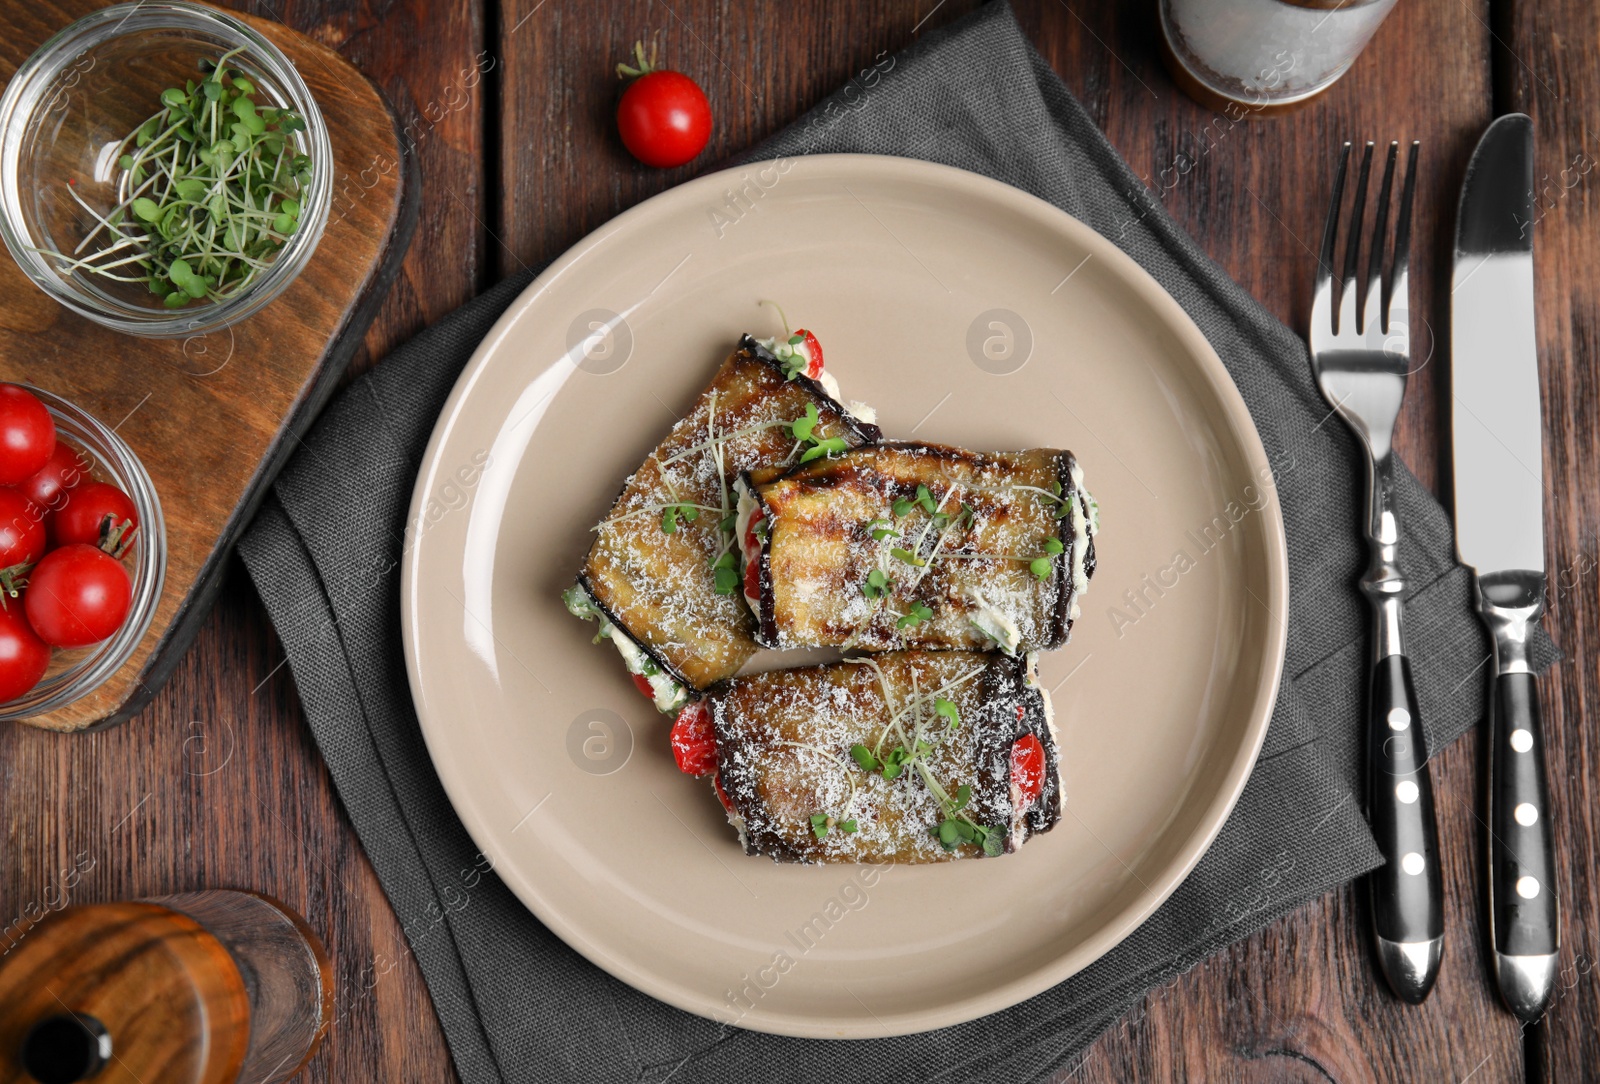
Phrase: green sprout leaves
{"type": "Point", "coordinates": [877, 584]}
{"type": "Point", "coordinates": [915, 616]}
{"type": "Point", "coordinates": [211, 189]}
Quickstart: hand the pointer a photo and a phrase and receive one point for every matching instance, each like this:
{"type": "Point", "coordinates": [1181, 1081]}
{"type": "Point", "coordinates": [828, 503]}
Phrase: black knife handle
{"type": "Point", "coordinates": [1521, 858]}
{"type": "Point", "coordinates": [1406, 891]}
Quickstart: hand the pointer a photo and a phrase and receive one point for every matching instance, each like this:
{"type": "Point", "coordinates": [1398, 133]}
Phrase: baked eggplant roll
{"type": "Point", "coordinates": [900, 546]}
{"type": "Point", "coordinates": [913, 756]}
{"type": "Point", "coordinates": [662, 577]}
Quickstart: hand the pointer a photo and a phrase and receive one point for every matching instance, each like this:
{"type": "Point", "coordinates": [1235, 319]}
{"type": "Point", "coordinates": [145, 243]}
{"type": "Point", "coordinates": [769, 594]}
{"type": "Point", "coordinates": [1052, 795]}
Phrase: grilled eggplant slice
{"type": "Point", "coordinates": [651, 577]}
{"type": "Point", "coordinates": [814, 764]}
{"type": "Point", "coordinates": [900, 546]}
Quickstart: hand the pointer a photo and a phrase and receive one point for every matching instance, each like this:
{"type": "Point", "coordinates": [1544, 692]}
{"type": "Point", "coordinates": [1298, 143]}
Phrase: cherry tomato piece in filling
{"type": "Point", "coordinates": [1027, 770]}
{"type": "Point", "coordinates": [813, 352]}
{"type": "Point", "coordinates": [752, 580]}
{"type": "Point", "coordinates": [694, 741]}
{"type": "Point", "coordinates": [77, 595]}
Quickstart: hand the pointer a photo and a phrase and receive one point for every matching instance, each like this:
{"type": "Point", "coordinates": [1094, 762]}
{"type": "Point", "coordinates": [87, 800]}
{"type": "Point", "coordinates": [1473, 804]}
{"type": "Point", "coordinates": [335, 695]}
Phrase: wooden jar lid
{"type": "Point", "coordinates": [167, 993]}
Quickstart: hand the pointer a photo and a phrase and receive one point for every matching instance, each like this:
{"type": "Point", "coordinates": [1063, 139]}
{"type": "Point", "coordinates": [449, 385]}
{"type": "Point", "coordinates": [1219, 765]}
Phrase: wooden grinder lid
{"type": "Point", "coordinates": [166, 994]}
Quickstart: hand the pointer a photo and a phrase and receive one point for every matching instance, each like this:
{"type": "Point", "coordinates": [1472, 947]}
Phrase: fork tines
{"type": "Point", "coordinates": [1364, 303]}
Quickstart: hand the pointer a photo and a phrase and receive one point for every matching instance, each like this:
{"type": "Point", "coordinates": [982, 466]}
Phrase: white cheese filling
{"type": "Point", "coordinates": [744, 513]}
{"type": "Point", "coordinates": [1083, 529]}
{"type": "Point", "coordinates": [668, 695]}
{"type": "Point", "coordinates": [990, 620]}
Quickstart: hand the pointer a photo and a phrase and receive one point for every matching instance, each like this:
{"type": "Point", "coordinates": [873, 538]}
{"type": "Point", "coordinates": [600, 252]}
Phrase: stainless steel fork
{"type": "Point", "coordinates": [1361, 353]}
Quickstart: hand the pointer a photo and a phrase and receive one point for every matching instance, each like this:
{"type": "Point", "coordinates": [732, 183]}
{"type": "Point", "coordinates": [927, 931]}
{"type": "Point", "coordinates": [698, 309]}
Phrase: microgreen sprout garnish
{"type": "Point", "coordinates": [879, 533]}
{"type": "Point", "coordinates": [210, 189]}
{"type": "Point", "coordinates": [725, 570]}
{"type": "Point", "coordinates": [822, 823]}
{"type": "Point", "coordinates": [671, 514]}
{"type": "Point", "coordinates": [804, 431]}
{"type": "Point", "coordinates": [956, 826]}
{"type": "Point", "coordinates": [1058, 506]}
{"type": "Point", "coordinates": [877, 585]}
{"type": "Point", "coordinates": [908, 557]}
{"type": "Point", "coordinates": [914, 616]}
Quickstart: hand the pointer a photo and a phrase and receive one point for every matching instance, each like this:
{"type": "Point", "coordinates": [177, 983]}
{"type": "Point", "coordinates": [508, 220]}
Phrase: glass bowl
{"type": "Point", "coordinates": [72, 104]}
{"type": "Point", "coordinates": [76, 672]}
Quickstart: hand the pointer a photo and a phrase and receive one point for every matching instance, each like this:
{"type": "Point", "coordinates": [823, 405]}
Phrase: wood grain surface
{"type": "Point", "coordinates": [218, 782]}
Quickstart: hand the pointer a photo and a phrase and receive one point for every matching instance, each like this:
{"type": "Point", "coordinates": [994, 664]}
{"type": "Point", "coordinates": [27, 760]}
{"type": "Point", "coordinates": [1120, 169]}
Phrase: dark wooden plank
{"type": "Point", "coordinates": [1303, 1001]}
{"type": "Point", "coordinates": [217, 782]}
{"type": "Point", "coordinates": [1547, 67]}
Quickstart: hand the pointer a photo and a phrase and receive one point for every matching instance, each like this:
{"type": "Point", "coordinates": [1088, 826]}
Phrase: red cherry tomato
{"type": "Point", "coordinates": [65, 468]}
{"type": "Point", "coordinates": [664, 118]}
{"type": "Point", "coordinates": [1027, 770]}
{"type": "Point", "coordinates": [77, 595]}
{"type": "Point", "coordinates": [813, 352]}
{"type": "Point", "coordinates": [23, 656]}
{"type": "Point", "coordinates": [752, 580]}
{"type": "Point", "coordinates": [27, 434]}
{"type": "Point", "coordinates": [96, 514]}
{"type": "Point", "coordinates": [22, 534]}
{"type": "Point", "coordinates": [642, 683]}
{"type": "Point", "coordinates": [751, 542]}
{"type": "Point", "coordinates": [694, 740]}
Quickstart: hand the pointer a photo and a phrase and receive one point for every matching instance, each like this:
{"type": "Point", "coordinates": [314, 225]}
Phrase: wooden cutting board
{"type": "Point", "coordinates": [214, 418]}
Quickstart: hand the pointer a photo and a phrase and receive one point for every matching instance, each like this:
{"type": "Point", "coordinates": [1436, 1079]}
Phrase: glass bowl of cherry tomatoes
{"type": "Point", "coordinates": [83, 552]}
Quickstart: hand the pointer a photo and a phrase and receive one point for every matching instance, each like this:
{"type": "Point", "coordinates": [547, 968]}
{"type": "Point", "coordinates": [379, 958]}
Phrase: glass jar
{"type": "Point", "coordinates": [73, 102]}
{"type": "Point", "coordinates": [1262, 56]}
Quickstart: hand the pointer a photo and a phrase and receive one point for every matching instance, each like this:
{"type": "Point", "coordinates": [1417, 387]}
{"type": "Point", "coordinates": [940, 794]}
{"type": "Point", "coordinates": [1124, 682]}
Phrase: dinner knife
{"type": "Point", "coordinates": [1499, 506]}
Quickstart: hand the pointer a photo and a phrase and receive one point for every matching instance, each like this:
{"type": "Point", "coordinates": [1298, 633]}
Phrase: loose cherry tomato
{"type": "Point", "coordinates": [27, 434]}
{"type": "Point", "coordinates": [96, 514]}
{"type": "Point", "coordinates": [22, 534]}
{"type": "Point", "coordinates": [23, 656]}
{"type": "Point", "coordinates": [694, 740]}
{"type": "Point", "coordinates": [813, 352]}
{"type": "Point", "coordinates": [65, 468]}
{"type": "Point", "coordinates": [752, 580]}
{"type": "Point", "coordinates": [663, 117]}
{"type": "Point", "coordinates": [77, 595]}
{"type": "Point", "coordinates": [642, 683]}
{"type": "Point", "coordinates": [1027, 770]}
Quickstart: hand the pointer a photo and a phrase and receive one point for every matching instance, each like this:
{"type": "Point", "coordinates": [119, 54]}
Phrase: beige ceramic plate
{"type": "Point", "coordinates": [968, 313]}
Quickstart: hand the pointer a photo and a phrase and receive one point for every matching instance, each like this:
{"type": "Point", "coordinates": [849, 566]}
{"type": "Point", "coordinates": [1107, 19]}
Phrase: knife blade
{"type": "Point", "coordinates": [1499, 502]}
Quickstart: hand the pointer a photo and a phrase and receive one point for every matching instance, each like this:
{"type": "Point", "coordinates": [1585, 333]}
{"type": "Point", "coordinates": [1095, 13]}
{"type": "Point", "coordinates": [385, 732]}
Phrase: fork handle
{"type": "Point", "coordinates": [1407, 912]}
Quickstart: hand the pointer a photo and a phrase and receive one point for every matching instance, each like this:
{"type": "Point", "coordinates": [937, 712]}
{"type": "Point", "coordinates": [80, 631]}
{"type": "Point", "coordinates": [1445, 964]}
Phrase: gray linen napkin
{"type": "Point", "coordinates": [518, 1005]}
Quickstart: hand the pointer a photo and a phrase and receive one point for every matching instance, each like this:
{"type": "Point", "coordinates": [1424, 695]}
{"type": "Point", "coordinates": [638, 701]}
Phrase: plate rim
{"type": "Point", "coordinates": [1057, 969]}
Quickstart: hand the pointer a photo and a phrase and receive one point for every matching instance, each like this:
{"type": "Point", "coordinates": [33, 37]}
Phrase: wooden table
{"type": "Point", "coordinates": [506, 105]}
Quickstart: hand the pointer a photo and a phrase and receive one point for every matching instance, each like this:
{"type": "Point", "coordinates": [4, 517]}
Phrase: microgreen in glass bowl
{"type": "Point", "coordinates": [164, 169]}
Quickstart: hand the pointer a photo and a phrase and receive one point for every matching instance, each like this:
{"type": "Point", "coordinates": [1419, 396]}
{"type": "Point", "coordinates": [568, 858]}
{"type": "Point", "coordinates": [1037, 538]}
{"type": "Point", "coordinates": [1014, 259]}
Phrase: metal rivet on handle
{"type": "Point", "coordinates": [1399, 719]}
{"type": "Point", "coordinates": [1412, 863]}
{"type": "Point", "coordinates": [1406, 791]}
{"type": "Point", "coordinates": [1526, 814]}
{"type": "Point", "coordinates": [1527, 887]}
{"type": "Point", "coordinates": [1521, 740]}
